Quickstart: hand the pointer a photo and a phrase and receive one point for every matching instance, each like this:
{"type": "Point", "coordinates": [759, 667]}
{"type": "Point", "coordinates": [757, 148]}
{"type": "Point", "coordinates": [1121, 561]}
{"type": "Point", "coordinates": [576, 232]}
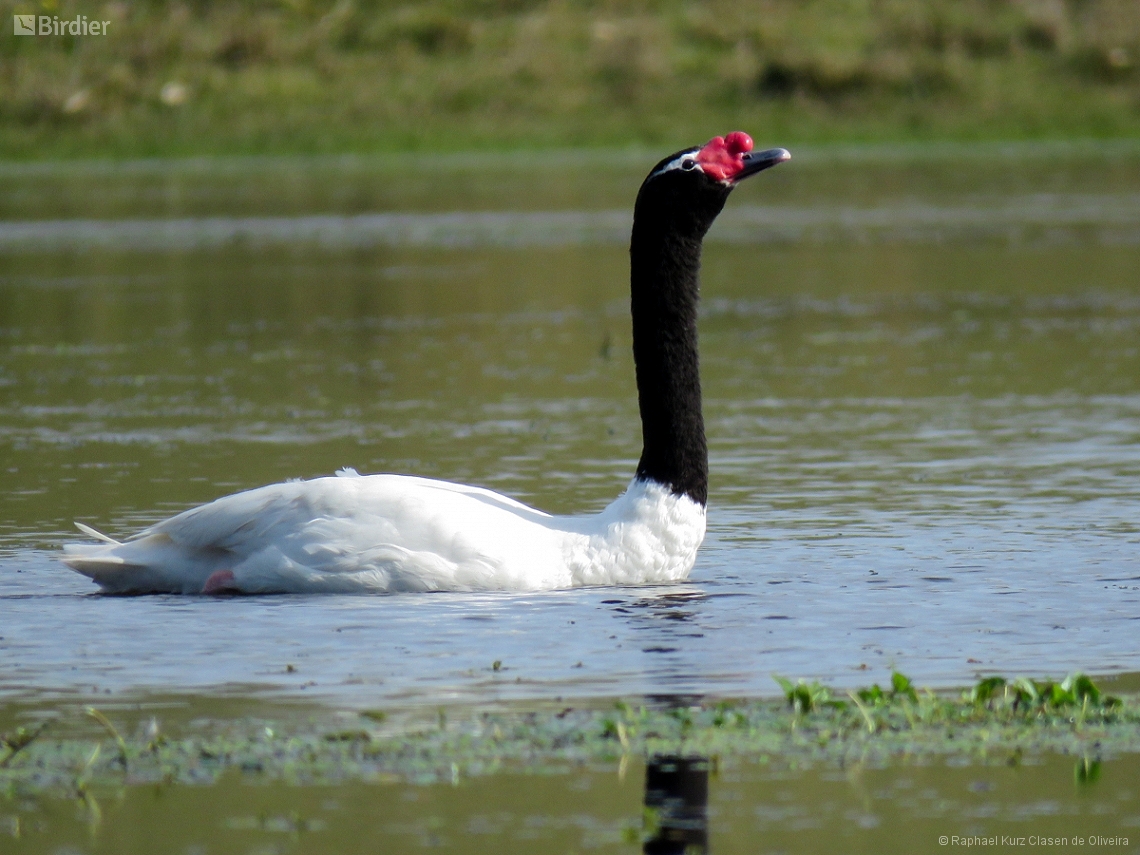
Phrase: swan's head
{"type": "Point", "coordinates": [723, 161]}
{"type": "Point", "coordinates": [692, 185]}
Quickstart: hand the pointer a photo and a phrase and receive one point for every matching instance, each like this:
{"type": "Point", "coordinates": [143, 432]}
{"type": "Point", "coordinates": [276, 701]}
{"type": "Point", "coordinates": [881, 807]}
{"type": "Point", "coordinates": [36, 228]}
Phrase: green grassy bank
{"type": "Point", "coordinates": [308, 76]}
{"type": "Point", "coordinates": [993, 722]}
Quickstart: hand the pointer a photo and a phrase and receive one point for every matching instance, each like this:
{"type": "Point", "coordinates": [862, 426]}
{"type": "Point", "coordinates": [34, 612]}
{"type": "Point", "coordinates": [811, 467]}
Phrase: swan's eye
{"type": "Point", "coordinates": [688, 163]}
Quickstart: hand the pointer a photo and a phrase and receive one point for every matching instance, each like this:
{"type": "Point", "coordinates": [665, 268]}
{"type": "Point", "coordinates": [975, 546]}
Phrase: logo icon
{"type": "Point", "coordinates": [24, 25]}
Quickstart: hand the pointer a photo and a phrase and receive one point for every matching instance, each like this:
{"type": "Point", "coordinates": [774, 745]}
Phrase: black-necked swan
{"type": "Point", "coordinates": [387, 533]}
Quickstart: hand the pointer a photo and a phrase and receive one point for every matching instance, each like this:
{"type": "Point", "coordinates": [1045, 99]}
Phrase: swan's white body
{"type": "Point", "coordinates": [387, 533]}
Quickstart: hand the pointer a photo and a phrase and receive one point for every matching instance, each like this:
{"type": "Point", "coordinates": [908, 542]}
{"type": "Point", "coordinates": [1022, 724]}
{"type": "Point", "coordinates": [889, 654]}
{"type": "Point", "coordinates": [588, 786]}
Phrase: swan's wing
{"type": "Point", "coordinates": [232, 523]}
{"type": "Point", "coordinates": [381, 532]}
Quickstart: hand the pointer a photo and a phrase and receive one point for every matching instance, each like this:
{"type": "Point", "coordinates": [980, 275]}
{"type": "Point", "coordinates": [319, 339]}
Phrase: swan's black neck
{"type": "Point", "coordinates": [670, 221]}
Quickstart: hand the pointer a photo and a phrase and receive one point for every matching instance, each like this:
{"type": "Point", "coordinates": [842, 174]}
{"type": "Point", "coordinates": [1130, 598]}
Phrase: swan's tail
{"type": "Point", "coordinates": [126, 568]}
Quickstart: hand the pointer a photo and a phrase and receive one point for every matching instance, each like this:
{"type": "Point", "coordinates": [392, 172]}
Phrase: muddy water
{"type": "Point", "coordinates": [735, 808]}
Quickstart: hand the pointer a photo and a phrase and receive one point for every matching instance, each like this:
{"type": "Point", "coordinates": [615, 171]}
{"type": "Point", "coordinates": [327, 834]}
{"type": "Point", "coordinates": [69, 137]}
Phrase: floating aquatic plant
{"type": "Point", "coordinates": [18, 740]}
{"type": "Point", "coordinates": [996, 720]}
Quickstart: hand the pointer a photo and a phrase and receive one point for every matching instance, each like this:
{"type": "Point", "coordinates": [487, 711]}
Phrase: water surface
{"type": "Point", "coordinates": [922, 396]}
{"type": "Point", "coordinates": [747, 807]}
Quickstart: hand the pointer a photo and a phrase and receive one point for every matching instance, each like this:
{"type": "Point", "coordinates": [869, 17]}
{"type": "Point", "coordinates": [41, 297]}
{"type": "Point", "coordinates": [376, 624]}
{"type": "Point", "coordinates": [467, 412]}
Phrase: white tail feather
{"type": "Point", "coordinates": [98, 535]}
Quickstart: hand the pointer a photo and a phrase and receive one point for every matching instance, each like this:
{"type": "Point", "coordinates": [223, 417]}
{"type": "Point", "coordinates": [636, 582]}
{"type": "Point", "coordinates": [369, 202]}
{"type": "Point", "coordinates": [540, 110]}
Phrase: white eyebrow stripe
{"type": "Point", "coordinates": [676, 162]}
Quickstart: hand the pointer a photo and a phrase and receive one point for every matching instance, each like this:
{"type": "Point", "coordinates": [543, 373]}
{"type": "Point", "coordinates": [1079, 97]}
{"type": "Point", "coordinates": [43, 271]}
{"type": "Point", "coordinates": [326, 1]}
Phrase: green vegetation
{"type": "Point", "coordinates": [299, 76]}
{"type": "Point", "coordinates": [996, 721]}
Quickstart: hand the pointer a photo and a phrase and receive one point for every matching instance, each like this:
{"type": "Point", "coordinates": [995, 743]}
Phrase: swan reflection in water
{"type": "Point", "coordinates": [677, 795]}
{"type": "Point", "coordinates": [676, 786]}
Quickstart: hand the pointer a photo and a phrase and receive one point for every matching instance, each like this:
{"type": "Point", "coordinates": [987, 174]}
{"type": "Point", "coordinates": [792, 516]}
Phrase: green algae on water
{"type": "Point", "coordinates": [995, 721]}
